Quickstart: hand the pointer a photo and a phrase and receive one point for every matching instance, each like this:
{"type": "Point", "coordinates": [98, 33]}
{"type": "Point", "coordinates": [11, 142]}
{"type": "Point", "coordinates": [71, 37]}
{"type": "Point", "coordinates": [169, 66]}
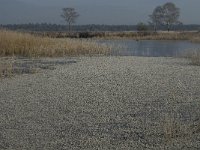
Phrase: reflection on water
{"type": "Point", "coordinates": [150, 48]}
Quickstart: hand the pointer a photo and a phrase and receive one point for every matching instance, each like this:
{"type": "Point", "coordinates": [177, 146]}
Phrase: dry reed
{"type": "Point", "coordinates": [24, 44]}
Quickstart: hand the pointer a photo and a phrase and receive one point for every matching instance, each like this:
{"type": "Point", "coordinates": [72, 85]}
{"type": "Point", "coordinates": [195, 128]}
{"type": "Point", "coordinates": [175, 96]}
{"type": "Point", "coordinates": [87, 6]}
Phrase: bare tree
{"type": "Point", "coordinates": [156, 18]}
{"type": "Point", "coordinates": [168, 15]}
{"type": "Point", "coordinates": [171, 14]}
{"type": "Point", "coordinates": [70, 15]}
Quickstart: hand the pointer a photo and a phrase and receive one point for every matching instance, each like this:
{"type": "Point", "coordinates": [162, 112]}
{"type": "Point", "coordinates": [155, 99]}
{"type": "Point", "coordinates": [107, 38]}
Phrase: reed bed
{"type": "Point", "coordinates": [25, 44]}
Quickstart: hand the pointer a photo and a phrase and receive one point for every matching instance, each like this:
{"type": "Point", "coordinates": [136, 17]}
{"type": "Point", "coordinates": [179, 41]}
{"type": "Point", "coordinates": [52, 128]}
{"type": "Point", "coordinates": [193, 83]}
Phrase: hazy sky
{"type": "Point", "coordinates": [92, 11]}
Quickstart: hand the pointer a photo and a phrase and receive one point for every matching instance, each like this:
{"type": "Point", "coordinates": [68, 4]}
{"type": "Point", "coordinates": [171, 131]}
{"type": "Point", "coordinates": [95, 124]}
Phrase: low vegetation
{"type": "Point", "coordinates": [195, 39]}
{"type": "Point", "coordinates": [152, 35]}
{"type": "Point", "coordinates": [24, 44]}
{"type": "Point", "coordinates": [6, 68]}
{"type": "Point", "coordinates": [143, 35]}
{"type": "Point", "coordinates": [193, 56]}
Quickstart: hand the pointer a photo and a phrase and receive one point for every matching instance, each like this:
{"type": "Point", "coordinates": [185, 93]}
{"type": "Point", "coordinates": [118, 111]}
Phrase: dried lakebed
{"type": "Point", "coordinates": [103, 103]}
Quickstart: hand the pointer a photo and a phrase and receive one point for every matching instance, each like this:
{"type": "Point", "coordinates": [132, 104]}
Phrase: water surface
{"type": "Point", "coordinates": [150, 48]}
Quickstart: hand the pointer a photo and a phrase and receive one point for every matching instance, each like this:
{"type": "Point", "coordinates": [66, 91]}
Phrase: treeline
{"type": "Point", "coordinates": [62, 28]}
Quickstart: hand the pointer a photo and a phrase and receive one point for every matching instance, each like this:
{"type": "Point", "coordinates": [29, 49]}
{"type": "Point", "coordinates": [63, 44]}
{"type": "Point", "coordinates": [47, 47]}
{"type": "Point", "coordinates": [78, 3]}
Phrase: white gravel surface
{"type": "Point", "coordinates": [103, 103]}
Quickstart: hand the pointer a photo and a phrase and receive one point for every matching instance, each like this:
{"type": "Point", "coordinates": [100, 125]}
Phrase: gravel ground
{"type": "Point", "coordinates": [103, 103]}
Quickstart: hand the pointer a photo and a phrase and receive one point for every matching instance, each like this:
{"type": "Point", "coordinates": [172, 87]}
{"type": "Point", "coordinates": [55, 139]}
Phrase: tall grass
{"type": "Point", "coordinates": [24, 44]}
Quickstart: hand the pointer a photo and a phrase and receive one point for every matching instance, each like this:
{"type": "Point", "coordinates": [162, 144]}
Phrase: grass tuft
{"type": "Point", "coordinates": [193, 56]}
{"type": "Point", "coordinates": [195, 39]}
{"type": "Point", "coordinates": [6, 68]}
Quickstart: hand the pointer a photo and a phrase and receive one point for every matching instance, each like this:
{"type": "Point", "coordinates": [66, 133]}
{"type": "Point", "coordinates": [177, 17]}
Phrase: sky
{"type": "Point", "coordinates": [110, 12]}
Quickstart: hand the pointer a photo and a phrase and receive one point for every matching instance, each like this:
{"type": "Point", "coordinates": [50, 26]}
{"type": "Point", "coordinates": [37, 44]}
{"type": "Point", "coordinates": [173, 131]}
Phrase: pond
{"type": "Point", "coordinates": [150, 48]}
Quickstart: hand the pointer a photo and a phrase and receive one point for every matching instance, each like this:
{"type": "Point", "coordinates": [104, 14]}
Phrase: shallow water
{"type": "Point", "coordinates": [150, 48]}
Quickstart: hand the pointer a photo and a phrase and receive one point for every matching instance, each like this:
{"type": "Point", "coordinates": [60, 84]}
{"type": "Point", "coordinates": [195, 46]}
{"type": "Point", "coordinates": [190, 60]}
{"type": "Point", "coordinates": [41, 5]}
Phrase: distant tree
{"type": "Point", "coordinates": [171, 15]}
{"type": "Point", "coordinates": [156, 18]}
{"type": "Point", "coordinates": [142, 27]}
{"type": "Point", "coordinates": [167, 15]}
{"type": "Point", "coordinates": [70, 15]}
